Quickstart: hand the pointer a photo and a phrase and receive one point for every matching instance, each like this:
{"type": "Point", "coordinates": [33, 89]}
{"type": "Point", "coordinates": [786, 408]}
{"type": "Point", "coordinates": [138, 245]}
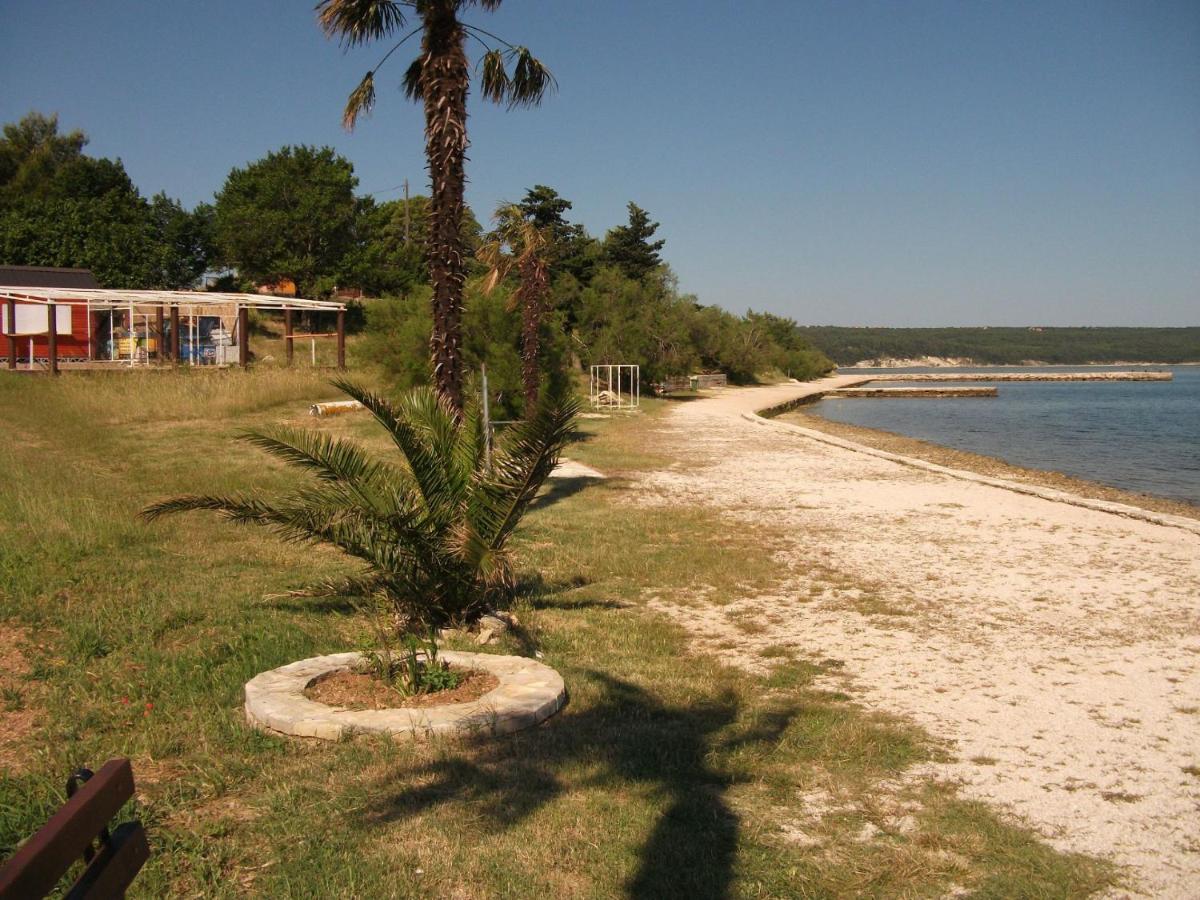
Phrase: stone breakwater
{"type": "Point", "coordinates": [1024, 376]}
{"type": "Point", "coordinates": [931, 392]}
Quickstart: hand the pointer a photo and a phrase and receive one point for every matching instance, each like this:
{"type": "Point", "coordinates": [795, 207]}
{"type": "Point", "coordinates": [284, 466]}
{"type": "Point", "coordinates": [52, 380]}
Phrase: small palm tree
{"type": "Point", "coordinates": [518, 244]}
{"type": "Point", "coordinates": [432, 529]}
{"type": "Point", "coordinates": [440, 78]}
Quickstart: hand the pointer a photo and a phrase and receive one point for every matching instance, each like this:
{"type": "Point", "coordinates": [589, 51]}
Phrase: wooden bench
{"type": "Point", "coordinates": [80, 829]}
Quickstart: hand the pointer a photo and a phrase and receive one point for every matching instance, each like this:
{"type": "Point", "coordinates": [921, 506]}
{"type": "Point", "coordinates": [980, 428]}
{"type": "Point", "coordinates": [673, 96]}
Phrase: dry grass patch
{"type": "Point", "coordinates": [21, 699]}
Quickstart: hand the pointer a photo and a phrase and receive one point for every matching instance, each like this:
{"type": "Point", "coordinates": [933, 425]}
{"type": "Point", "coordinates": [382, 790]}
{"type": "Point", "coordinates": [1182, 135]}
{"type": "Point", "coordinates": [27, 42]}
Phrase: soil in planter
{"type": "Point", "coordinates": [357, 690]}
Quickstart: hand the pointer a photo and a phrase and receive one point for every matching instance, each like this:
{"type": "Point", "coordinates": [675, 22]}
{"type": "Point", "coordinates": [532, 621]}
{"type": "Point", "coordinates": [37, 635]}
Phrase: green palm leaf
{"type": "Point", "coordinates": [423, 427]}
{"type": "Point", "coordinates": [432, 534]}
{"type": "Point", "coordinates": [356, 22]}
{"type": "Point", "coordinates": [503, 494]}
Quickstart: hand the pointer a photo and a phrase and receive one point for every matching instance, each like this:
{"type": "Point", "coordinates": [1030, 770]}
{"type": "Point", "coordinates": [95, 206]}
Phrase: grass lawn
{"type": "Point", "coordinates": [666, 775]}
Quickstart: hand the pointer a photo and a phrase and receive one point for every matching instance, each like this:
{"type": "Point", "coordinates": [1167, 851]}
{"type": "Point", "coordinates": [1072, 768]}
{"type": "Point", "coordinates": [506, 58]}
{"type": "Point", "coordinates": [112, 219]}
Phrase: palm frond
{"type": "Point", "coordinates": [491, 254]}
{"type": "Point", "coordinates": [470, 450]}
{"type": "Point", "coordinates": [502, 494]}
{"type": "Point", "coordinates": [319, 516]}
{"type": "Point", "coordinates": [531, 80]}
{"type": "Point", "coordinates": [413, 89]}
{"type": "Point", "coordinates": [373, 482]}
{"type": "Point", "coordinates": [236, 507]}
{"type": "Point", "coordinates": [494, 81]}
{"type": "Point", "coordinates": [355, 22]}
{"type": "Point", "coordinates": [329, 458]}
{"type": "Point", "coordinates": [360, 102]}
{"type": "Point", "coordinates": [389, 545]}
{"type": "Point", "coordinates": [353, 587]}
{"type": "Point", "coordinates": [423, 428]}
{"type": "Point", "coordinates": [431, 416]}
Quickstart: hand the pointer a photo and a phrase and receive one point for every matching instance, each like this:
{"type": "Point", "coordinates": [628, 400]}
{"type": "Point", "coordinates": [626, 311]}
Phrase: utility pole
{"type": "Point", "coordinates": [407, 221]}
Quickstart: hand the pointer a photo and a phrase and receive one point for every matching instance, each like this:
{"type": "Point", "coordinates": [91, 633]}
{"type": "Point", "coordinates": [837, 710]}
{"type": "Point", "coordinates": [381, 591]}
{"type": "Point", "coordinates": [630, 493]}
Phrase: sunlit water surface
{"type": "Point", "coordinates": [1141, 436]}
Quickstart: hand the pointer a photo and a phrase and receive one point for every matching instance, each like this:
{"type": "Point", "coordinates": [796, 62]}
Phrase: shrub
{"type": "Point", "coordinates": [432, 530]}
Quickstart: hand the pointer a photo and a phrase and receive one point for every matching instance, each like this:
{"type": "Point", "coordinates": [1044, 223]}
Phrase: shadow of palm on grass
{"type": "Point", "coordinates": [626, 740]}
{"type": "Point", "coordinates": [558, 489]}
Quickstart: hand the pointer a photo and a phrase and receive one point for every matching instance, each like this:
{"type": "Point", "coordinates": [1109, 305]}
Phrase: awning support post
{"type": "Point", "coordinates": [175, 334]}
{"type": "Point", "coordinates": [158, 323]}
{"type": "Point", "coordinates": [52, 337]}
{"type": "Point", "coordinates": [288, 342]}
{"type": "Point", "coordinates": [12, 333]}
{"type": "Point", "coordinates": [243, 337]}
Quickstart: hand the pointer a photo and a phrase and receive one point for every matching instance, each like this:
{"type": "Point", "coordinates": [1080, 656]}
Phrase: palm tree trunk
{"type": "Point", "coordinates": [445, 79]}
{"type": "Point", "coordinates": [534, 288]}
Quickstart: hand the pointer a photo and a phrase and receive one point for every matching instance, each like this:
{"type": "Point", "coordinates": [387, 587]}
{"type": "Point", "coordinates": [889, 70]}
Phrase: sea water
{"type": "Point", "coordinates": [1137, 435]}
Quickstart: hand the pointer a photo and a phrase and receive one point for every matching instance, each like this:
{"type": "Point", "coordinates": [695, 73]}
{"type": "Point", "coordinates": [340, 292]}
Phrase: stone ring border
{"type": "Point", "coordinates": [528, 693]}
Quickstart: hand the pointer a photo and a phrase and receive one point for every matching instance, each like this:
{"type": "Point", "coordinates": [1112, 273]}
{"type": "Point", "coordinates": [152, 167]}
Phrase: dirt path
{"type": "Point", "coordinates": [1056, 649]}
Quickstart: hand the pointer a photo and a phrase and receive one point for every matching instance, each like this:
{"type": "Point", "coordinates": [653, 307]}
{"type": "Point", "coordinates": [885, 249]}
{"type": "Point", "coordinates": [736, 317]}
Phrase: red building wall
{"type": "Point", "coordinates": [70, 346]}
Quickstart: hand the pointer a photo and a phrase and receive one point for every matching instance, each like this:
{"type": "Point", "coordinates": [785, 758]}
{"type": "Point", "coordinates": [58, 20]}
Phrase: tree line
{"type": "Point", "coordinates": [60, 207]}
{"type": "Point", "coordinates": [296, 214]}
{"type": "Point", "coordinates": [607, 300]}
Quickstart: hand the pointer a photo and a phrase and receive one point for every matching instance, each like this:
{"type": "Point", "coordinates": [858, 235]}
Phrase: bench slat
{"type": "Point", "coordinates": [113, 869]}
{"type": "Point", "coordinates": [40, 862]}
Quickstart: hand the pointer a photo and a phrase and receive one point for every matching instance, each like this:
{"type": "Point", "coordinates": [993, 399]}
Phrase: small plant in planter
{"type": "Point", "coordinates": [415, 669]}
{"type": "Point", "coordinates": [432, 526]}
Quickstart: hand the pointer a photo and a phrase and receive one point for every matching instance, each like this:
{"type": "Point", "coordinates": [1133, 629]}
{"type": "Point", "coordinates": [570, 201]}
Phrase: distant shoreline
{"type": "Point", "coordinates": [860, 347]}
{"type": "Point", "coordinates": [937, 362]}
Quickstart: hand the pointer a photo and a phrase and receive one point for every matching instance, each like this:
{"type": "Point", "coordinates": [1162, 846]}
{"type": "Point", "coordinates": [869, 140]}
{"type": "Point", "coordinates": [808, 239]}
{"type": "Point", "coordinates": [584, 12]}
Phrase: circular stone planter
{"type": "Point", "coordinates": [528, 693]}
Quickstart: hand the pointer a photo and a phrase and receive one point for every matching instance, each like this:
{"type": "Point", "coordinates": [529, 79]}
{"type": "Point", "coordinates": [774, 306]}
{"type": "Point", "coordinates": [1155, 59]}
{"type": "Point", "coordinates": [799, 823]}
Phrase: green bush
{"type": "Point", "coordinates": [397, 340]}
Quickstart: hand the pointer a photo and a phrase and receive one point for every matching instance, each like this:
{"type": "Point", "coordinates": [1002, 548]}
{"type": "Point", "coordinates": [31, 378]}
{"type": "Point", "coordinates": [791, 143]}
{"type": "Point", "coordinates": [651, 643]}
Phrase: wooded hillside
{"type": "Point", "coordinates": [1009, 346]}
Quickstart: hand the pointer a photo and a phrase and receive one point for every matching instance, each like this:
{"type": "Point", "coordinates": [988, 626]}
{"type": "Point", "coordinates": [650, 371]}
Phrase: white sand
{"type": "Point", "coordinates": [569, 468]}
{"type": "Point", "coordinates": [1054, 648]}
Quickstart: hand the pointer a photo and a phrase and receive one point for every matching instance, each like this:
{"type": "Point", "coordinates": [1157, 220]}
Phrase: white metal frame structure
{"type": "Point", "coordinates": [615, 386]}
{"type": "Point", "coordinates": [144, 305]}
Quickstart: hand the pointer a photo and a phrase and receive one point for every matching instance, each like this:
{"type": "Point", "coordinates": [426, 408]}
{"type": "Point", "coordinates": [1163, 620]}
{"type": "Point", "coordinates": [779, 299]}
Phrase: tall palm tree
{"type": "Point", "coordinates": [440, 78]}
{"type": "Point", "coordinates": [528, 253]}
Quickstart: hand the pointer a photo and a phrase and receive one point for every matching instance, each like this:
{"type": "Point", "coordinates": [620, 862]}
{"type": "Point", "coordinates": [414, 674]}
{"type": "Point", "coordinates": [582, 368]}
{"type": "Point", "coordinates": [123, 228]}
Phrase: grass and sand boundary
{"type": "Point", "coordinates": [669, 773]}
{"type": "Point", "coordinates": [980, 464]}
{"type": "Point", "coordinates": [1054, 486]}
{"type": "Point", "coordinates": [1050, 644]}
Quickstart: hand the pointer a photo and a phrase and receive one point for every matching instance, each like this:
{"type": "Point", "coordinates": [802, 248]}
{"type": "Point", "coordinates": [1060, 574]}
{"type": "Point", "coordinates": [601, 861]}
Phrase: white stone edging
{"type": "Point", "coordinates": [528, 693]}
{"type": "Point", "coordinates": [1119, 509]}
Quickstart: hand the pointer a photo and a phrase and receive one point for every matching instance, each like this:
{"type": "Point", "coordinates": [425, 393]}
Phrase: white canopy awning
{"type": "Point", "coordinates": [96, 298]}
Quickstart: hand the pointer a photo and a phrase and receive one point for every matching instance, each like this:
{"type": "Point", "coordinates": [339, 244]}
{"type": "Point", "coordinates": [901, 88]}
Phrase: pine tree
{"type": "Point", "coordinates": [629, 246]}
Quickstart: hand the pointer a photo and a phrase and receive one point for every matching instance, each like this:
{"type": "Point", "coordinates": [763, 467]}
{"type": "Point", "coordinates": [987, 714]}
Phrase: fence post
{"type": "Point", "coordinates": [341, 339]}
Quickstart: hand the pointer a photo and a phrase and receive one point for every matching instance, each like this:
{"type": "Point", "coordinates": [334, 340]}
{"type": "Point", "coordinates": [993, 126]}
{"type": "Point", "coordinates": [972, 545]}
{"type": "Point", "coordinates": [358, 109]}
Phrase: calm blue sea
{"type": "Point", "coordinates": [1141, 436]}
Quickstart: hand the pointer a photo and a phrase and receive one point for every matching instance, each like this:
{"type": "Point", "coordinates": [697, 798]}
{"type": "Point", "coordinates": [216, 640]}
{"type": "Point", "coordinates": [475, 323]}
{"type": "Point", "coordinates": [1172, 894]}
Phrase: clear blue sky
{"type": "Point", "coordinates": [888, 163]}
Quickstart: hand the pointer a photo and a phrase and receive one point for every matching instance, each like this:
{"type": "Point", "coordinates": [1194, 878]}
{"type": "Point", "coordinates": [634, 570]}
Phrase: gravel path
{"type": "Point", "coordinates": [1054, 648]}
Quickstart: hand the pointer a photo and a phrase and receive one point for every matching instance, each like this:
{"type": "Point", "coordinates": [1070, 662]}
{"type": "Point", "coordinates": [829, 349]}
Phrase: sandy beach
{"type": "Point", "coordinates": [1053, 647]}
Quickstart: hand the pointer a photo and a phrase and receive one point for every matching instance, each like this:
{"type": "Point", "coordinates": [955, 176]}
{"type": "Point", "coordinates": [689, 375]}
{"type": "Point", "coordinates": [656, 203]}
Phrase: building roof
{"type": "Point", "coordinates": [95, 298]}
{"type": "Point", "coordinates": [47, 276]}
